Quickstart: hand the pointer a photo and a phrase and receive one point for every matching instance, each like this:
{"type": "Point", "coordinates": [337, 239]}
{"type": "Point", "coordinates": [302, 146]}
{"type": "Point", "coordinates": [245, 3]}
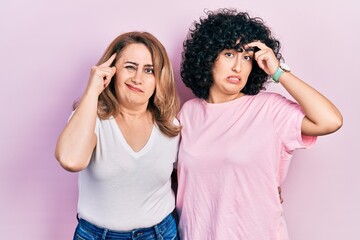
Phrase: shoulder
{"type": "Point", "coordinates": [269, 95]}
{"type": "Point", "coordinates": [271, 98]}
{"type": "Point", "coordinates": [104, 124]}
{"type": "Point", "coordinates": [176, 122]}
{"type": "Point", "coordinates": [104, 120]}
{"type": "Point", "coordinates": [272, 102]}
{"type": "Point", "coordinates": [189, 107]}
{"type": "Point", "coordinates": [192, 103]}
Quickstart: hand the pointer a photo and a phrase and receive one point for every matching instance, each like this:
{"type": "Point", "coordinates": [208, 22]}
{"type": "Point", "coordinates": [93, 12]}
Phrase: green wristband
{"type": "Point", "coordinates": [277, 74]}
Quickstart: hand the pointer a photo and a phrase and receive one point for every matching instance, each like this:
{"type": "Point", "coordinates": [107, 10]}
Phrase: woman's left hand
{"type": "Point", "coordinates": [321, 115]}
{"type": "Point", "coordinates": [265, 57]}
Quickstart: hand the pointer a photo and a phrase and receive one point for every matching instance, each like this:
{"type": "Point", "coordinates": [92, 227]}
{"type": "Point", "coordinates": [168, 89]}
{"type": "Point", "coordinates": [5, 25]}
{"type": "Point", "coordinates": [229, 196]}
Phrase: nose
{"type": "Point", "coordinates": [137, 79]}
{"type": "Point", "coordinates": [237, 64]}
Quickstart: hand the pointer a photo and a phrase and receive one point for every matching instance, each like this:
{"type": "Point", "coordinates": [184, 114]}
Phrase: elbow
{"type": "Point", "coordinates": [71, 167]}
{"type": "Point", "coordinates": [333, 125]}
{"type": "Point", "coordinates": [69, 164]}
{"type": "Point", "coordinates": [337, 123]}
{"type": "Point", "coordinates": [340, 123]}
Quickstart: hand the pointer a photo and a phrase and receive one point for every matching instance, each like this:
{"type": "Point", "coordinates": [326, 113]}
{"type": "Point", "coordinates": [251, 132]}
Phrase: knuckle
{"type": "Point", "coordinates": [94, 68]}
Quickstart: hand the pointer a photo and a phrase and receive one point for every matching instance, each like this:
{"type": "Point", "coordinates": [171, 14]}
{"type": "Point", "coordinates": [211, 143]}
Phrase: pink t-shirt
{"type": "Point", "coordinates": [232, 158]}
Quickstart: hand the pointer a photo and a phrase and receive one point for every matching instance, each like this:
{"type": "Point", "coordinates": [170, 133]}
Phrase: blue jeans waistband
{"type": "Point", "coordinates": [155, 230]}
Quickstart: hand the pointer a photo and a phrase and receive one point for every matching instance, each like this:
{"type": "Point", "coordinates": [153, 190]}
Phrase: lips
{"type": "Point", "coordinates": [233, 79]}
{"type": "Point", "coordinates": [132, 88]}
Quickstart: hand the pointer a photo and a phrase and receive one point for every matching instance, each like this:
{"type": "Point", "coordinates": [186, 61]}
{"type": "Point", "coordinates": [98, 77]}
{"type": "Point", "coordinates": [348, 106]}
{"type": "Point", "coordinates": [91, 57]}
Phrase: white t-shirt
{"type": "Point", "coordinates": [122, 189]}
{"type": "Point", "coordinates": [232, 158]}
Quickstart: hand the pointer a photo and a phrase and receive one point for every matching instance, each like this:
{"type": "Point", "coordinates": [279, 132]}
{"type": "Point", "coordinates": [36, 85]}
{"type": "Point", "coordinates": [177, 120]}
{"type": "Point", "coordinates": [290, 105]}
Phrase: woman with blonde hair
{"type": "Point", "coordinates": [123, 139]}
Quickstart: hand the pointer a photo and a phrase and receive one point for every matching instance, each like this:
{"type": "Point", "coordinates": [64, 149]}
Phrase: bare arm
{"type": "Point", "coordinates": [321, 115]}
{"type": "Point", "coordinates": [78, 140]}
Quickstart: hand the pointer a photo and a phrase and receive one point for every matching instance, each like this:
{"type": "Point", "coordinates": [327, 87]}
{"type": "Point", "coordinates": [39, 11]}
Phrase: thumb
{"type": "Point", "coordinates": [113, 71]}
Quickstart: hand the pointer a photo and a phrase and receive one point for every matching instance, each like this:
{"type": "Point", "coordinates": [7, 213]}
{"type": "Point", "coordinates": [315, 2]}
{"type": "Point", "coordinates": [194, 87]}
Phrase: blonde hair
{"type": "Point", "coordinates": [164, 103]}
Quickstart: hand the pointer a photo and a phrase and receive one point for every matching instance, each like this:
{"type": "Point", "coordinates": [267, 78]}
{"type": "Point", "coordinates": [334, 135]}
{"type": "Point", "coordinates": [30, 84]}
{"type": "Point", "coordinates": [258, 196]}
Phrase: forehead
{"type": "Point", "coordinates": [240, 46]}
{"type": "Point", "coordinates": [136, 52]}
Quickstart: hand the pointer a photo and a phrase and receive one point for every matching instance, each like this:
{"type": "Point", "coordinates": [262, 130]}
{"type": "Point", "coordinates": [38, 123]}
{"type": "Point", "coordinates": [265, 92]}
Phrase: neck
{"type": "Point", "coordinates": [127, 113]}
{"type": "Point", "coordinates": [214, 98]}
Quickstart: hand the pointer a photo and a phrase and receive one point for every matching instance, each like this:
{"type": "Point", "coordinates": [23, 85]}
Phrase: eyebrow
{"type": "Point", "coordinates": [240, 48]}
{"type": "Point", "coordinates": [136, 64]}
{"type": "Point", "coordinates": [250, 49]}
{"type": "Point", "coordinates": [133, 63]}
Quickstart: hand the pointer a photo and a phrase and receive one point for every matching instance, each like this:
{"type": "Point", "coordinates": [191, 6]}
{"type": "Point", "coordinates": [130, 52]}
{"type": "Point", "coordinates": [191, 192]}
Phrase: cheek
{"type": "Point", "coordinates": [216, 67]}
{"type": "Point", "coordinates": [118, 80]}
{"type": "Point", "coordinates": [247, 67]}
{"type": "Point", "coordinates": [217, 73]}
{"type": "Point", "coordinates": [119, 83]}
{"type": "Point", "coordinates": [151, 84]}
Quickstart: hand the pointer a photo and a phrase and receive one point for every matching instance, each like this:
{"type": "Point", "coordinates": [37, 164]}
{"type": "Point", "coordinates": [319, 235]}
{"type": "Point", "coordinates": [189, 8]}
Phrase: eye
{"type": "Point", "coordinates": [130, 67]}
{"type": "Point", "coordinates": [248, 58]}
{"type": "Point", "coordinates": [149, 70]}
{"type": "Point", "coordinates": [229, 54]}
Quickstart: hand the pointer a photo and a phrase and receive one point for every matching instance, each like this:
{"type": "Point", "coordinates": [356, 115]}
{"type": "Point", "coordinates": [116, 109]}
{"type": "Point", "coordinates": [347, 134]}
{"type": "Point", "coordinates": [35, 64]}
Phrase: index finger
{"type": "Point", "coordinates": [258, 44]}
{"type": "Point", "coordinates": [109, 61]}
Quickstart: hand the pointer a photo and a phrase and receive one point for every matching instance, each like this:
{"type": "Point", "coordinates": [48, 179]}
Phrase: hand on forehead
{"type": "Point", "coordinates": [240, 48]}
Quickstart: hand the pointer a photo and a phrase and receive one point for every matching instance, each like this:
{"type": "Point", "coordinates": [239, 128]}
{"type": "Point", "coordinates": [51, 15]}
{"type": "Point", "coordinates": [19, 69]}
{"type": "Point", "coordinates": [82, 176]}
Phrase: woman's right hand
{"type": "Point", "coordinates": [100, 76]}
{"type": "Point", "coordinates": [77, 141]}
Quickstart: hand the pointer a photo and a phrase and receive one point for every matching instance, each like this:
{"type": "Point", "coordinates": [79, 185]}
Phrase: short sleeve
{"type": "Point", "coordinates": [287, 119]}
{"type": "Point", "coordinates": [176, 122]}
{"type": "Point", "coordinates": [71, 115]}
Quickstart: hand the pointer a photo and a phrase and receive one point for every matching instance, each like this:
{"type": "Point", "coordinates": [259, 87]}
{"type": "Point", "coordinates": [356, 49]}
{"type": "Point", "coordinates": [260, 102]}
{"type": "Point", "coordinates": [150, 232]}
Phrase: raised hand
{"type": "Point", "coordinates": [265, 57]}
{"type": "Point", "coordinates": [100, 76]}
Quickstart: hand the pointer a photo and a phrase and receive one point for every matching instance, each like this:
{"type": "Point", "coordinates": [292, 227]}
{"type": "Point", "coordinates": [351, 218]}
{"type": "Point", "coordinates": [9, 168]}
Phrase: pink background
{"type": "Point", "coordinates": [48, 47]}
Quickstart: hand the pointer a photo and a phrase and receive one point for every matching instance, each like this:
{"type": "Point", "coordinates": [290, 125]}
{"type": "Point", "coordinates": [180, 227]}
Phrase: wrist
{"type": "Point", "coordinates": [91, 93]}
{"type": "Point", "coordinates": [282, 68]}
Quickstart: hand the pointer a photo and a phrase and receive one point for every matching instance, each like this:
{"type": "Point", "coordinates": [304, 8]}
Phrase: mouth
{"type": "Point", "coordinates": [132, 88]}
{"type": "Point", "coordinates": [233, 79]}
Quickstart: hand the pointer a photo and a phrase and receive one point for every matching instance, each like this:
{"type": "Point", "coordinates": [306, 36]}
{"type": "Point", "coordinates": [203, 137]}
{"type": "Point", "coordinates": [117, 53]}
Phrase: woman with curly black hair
{"type": "Point", "coordinates": [237, 140]}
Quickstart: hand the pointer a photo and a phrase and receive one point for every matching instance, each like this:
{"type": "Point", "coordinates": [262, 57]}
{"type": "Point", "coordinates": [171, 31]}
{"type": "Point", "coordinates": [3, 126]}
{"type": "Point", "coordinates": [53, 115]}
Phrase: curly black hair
{"type": "Point", "coordinates": [221, 30]}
